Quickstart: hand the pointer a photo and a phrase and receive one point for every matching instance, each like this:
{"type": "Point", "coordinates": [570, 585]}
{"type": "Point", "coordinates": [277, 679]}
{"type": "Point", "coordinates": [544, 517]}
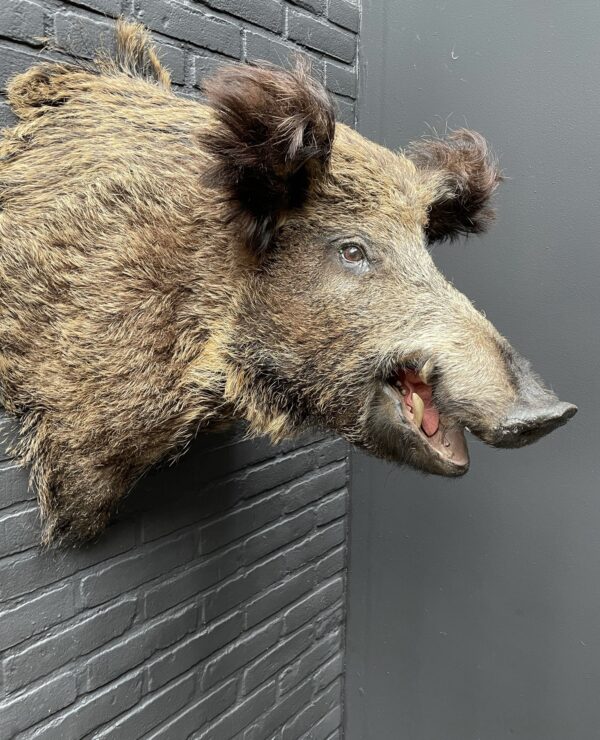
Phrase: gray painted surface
{"type": "Point", "coordinates": [475, 604]}
{"type": "Point", "coordinates": [214, 608]}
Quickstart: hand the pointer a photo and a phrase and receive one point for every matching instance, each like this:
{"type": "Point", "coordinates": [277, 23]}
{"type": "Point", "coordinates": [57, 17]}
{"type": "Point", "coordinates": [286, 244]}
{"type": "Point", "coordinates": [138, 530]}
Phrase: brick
{"type": "Point", "coordinates": [173, 58]}
{"type": "Point", "coordinates": [205, 67]}
{"type": "Point", "coordinates": [92, 711]}
{"type": "Point", "coordinates": [186, 23]}
{"type": "Point", "coordinates": [19, 529]}
{"type": "Point", "coordinates": [193, 580]}
{"type": "Point", "coordinates": [138, 646]}
{"type": "Point", "coordinates": [308, 664]}
{"type": "Point", "coordinates": [52, 652]}
{"type": "Point", "coordinates": [273, 660]}
{"type": "Point", "coordinates": [268, 49]}
{"type": "Point", "coordinates": [341, 80]}
{"type": "Point", "coordinates": [314, 6]}
{"type": "Point", "coordinates": [124, 574]}
{"type": "Point", "coordinates": [315, 546]}
{"type": "Point", "coordinates": [331, 564]}
{"type": "Point", "coordinates": [313, 712]}
{"type": "Point", "coordinates": [154, 522]}
{"type": "Point", "coordinates": [240, 521]}
{"type": "Point", "coordinates": [265, 13]}
{"type": "Point", "coordinates": [323, 728]}
{"type": "Point", "coordinates": [290, 467]}
{"type": "Point", "coordinates": [236, 590]}
{"type": "Point", "coordinates": [14, 61]}
{"type": "Point", "coordinates": [279, 596]}
{"type": "Point", "coordinates": [240, 653]}
{"type": "Point", "coordinates": [23, 20]}
{"type": "Point", "coordinates": [192, 651]}
{"type": "Point", "coordinates": [328, 673]}
{"type": "Point", "coordinates": [26, 572]}
{"type": "Point", "coordinates": [283, 711]}
{"type": "Point", "coordinates": [35, 615]}
{"type": "Point", "coordinates": [329, 621]}
{"type": "Point", "coordinates": [34, 705]}
{"type": "Point", "coordinates": [14, 487]}
{"type": "Point", "coordinates": [311, 605]}
{"type": "Point", "coordinates": [315, 485]}
{"type": "Point", "coordinates": [345, 110]}
{"type": "Point", "coordinates": [333, 507]}
{"type": "Point", "coordinates": [108, 7]}
{"type": "Point", "coordinates": [345, 13]}
{"type": "Point", "coordinates": [321, 36]}
{"type": "Point", "coordinates": [150, 712]}
{"type": "Point", "coordinates": [83, 36]}
{"type": "Point", "coordinates": [196, 715]}
{"type": "Point", "coordinates": [240, 716]}
{"type": "Point", "coordinates": [8, 427]}
{"type": "Point", "coordinates": [278, 535]}
{"type": "Point", "coordinates": [7, 119]}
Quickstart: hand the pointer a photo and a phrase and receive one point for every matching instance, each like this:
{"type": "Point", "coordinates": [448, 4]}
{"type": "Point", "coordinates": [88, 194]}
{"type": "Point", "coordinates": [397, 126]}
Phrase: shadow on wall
{"type": "Point", "coordinates": [219, 471]}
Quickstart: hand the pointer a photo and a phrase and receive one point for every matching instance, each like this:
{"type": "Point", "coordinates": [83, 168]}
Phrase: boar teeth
{"type": "Point", "coordinates": [426, 371]}
{"type": "Point", "coordinates": [418, 408]}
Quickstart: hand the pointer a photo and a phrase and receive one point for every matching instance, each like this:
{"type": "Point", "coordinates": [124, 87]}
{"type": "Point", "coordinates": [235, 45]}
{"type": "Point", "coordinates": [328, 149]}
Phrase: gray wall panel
{"type": "Point", "coordinates": [475, 604]}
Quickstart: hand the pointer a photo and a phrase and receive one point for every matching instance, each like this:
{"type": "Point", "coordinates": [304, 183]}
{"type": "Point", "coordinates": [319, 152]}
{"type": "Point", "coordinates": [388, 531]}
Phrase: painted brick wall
{"type": "Point", "coordinates": [214, 607]}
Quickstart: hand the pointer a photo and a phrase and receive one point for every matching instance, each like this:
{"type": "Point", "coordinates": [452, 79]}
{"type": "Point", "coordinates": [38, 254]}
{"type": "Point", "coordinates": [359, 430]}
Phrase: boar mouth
{"type": "Point", "coordinates": [436, 444]}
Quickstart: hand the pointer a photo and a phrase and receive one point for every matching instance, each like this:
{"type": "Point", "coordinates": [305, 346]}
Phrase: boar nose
{"type": "Point", "coordinates": [527, 423]}
{"type": "Point", "coordinates": [535, 412]}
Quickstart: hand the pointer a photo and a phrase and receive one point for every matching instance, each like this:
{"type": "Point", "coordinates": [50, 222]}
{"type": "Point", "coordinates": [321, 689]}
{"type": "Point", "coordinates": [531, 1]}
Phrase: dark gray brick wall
{"type": "Point", "coordinates": [193, 37]}
{"type": "Point", "coordinates": [224, 621]}
{"type": "Point", "coordinates": [214, 607]}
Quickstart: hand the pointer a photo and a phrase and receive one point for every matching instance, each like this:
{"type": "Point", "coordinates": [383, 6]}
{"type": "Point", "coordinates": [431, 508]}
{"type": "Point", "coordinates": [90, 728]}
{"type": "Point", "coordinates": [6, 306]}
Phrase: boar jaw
{"type": "Point", "coordinates": [410, 428]}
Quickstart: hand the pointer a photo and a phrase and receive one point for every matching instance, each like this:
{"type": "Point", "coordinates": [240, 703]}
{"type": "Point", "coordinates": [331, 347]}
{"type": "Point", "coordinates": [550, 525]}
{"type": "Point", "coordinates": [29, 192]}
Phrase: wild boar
{"type": "Point", "coordinates": [166, 265]}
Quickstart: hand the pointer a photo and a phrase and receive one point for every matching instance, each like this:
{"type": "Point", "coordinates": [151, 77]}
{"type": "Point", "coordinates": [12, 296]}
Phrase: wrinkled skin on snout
{"type": "Point", "coordinates": [168, 265]}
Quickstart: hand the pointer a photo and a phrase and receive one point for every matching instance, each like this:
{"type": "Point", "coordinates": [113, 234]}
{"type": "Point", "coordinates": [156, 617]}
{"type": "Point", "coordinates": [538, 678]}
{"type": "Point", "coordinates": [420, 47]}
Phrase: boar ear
{"type": "Point", "coordinates": [468, 173]}
{"type": "Point", "coordinates": [272, 135]}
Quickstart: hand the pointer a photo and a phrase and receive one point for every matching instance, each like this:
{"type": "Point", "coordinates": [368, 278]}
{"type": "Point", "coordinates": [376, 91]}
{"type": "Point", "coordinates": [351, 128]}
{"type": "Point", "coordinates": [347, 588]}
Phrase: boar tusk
{"type": "Point", "coordinates": [426, 371]}
{"type": "Point", "coordinates": [418, 408]}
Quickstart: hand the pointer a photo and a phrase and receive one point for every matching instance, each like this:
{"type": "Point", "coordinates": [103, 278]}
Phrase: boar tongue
{"type": "Point", "coordinates": [431, 416]}
{"type": "Point", "coordinates": [431, 421]}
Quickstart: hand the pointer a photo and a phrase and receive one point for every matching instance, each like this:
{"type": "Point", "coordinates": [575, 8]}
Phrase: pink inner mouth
{"type": "Point", "coordinates": [443, 437]}
{"type": "Point", "coordinates": [413, 383]}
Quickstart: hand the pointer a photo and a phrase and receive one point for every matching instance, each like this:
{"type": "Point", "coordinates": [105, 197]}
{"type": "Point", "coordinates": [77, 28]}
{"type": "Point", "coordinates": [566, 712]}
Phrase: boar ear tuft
{"type": "Point", "coordinates": [469, 174]}
{"type": "Point", "coordinates": [272, 135]}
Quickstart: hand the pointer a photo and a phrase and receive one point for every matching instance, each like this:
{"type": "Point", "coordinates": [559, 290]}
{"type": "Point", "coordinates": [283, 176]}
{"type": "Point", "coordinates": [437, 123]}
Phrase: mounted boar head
{"type": "Point", "coordinates": [244, 259]}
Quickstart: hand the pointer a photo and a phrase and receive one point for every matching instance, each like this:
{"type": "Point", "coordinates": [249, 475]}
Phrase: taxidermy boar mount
{"type": "Point", "coordinates": [166, 265]}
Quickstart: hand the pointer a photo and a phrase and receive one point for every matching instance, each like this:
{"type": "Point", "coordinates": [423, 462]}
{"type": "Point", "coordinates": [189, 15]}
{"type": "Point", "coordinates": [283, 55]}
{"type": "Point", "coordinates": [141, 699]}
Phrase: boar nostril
{"type": "Point", "coordinates": [526, 424]}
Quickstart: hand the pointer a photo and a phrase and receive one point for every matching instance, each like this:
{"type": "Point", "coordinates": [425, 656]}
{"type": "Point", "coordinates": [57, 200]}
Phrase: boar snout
{"type": "Point", "coordinates": [527, 424]}
{"type": "Point", "coordinates": [535, 412]}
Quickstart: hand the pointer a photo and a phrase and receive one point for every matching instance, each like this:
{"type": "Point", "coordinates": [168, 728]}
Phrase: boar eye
{"type": "Point", "coordinates": [353, 256]}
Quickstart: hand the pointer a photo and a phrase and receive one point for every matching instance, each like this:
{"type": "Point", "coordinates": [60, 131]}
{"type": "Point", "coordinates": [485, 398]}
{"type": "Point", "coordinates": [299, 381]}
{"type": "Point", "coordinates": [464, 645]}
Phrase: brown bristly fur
{"type": "Point", "coordinates": [273, 133]}
{"type": "Point", "coordinates": [471, 174]}
{"type": "Point", "coordinates": [165, 265]}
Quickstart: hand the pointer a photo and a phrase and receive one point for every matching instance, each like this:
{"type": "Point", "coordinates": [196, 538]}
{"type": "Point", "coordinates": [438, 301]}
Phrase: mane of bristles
{"type": "Point", "coordinates": [134, 55]}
